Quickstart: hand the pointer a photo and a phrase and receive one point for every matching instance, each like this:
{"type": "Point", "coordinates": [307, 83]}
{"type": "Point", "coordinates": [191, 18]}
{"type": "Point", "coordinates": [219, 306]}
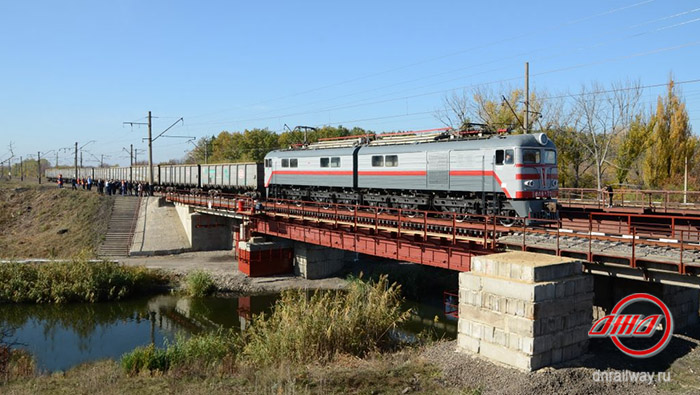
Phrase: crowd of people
{"type": "Point", "coordinates": [109, 187]}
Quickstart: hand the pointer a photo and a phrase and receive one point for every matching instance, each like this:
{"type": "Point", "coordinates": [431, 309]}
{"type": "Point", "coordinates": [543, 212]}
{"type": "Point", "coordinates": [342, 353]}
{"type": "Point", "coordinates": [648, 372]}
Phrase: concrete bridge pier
{"type": "Point", "coordinates": [525, 310]}
{"type": "Point", "coordinates": [205, 232]}
{"type": "Point", "coordinates": [315, 262]}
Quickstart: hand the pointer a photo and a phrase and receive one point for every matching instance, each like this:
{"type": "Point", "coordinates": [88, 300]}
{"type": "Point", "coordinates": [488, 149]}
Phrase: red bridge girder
{"type": "Point", "coordinates": [426, 252]}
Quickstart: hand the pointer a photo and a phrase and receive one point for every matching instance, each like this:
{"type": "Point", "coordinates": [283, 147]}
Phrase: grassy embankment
{"type": "Point", "coordinates": [42, 221]}
{"type": "Point", "coordinates": [331, 342]}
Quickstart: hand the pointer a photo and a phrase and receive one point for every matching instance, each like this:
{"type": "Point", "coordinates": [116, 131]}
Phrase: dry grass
{"type": "Point", "coordinates": [42, 221]}
{"type": "Point", "coordinates": [389, 374]}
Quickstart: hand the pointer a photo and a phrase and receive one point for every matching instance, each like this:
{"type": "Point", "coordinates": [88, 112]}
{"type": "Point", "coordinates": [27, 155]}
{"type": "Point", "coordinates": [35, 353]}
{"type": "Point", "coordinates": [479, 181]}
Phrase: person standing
{"type": "Point", "coordinates": [609, 190]}
{"type": "Point", "coordinates": [60, 181]}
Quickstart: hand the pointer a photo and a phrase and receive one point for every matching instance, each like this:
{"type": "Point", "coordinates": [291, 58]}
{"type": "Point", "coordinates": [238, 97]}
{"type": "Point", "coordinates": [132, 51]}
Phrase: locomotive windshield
{"type": "Point", "coordinates": [531, 156]}
{"type": "Point", "coordinates": [550, 157]}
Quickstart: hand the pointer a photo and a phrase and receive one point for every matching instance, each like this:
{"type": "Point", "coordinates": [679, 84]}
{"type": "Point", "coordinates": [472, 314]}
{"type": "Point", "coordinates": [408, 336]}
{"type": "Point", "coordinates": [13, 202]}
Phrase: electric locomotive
{"type": "Point", "coordinates": [506, 175]}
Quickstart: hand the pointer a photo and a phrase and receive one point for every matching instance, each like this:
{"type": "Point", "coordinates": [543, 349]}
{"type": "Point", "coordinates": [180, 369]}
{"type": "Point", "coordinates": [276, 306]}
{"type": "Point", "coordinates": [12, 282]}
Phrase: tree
{"type": "Point", "coordinates": [226, 147]}
{"type": "Point", "coordinates": [202, 151]}
{"type": "Point", "coordinates": [573, 157]}
{"type": "Point", "coordinates": [455, 111]}
{"type": "Point", "coordinates": [487, 107]}
{"type": "Point", "coordinates": [296, 136]}
{"type": "Point", "coordinates": [630, 148]}
{"type": "Point", "coordinates": [672, 139]}
{"type": "Point", "coordinates": [600, 116]}
{"type": "Point", "coordinates": [256, 143]}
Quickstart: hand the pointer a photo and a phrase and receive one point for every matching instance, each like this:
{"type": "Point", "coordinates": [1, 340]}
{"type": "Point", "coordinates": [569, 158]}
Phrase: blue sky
{"type": "Point", "coordinates": [76, 70]}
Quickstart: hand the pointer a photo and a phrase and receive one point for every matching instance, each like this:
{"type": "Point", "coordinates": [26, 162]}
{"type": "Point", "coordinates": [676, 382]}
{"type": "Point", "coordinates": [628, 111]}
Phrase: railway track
{"type": "Point", "coordinates": [668, 244]}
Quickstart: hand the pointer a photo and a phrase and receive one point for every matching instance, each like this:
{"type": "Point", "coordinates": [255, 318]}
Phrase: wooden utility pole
{"type": "Point", "coordinates": [527, 97]}
{"type": "Point", "coordinates": [21, 169]}
{"type": "Point", "coordinates": [38, 164]}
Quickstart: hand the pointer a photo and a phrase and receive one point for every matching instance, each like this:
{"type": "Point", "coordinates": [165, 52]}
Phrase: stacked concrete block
{"type": "Point", "coordinates": [525, 310]}
{"type": "Point", "coordinates": [683, 303]}
{"type": "Point", "coordinates": [315, 262]}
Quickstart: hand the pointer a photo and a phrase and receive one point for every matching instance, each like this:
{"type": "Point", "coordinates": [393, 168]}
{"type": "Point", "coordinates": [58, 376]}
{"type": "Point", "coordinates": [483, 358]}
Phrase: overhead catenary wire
{"type": "Point", "coordinates": [496, 60]}
{"type": "Point", "coordinates": [444, 56]}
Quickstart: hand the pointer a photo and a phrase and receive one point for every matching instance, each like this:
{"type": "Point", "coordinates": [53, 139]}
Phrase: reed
{"type": "Point", "coordinates": [199, 283]}
{"type": "Point", "coordinates": [318, 327]}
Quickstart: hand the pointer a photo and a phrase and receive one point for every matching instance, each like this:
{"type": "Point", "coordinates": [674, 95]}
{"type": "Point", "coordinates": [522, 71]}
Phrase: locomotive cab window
{"type": "Point", "coordinates": [391, 161]}
{"type": "Point", "coordinates": [324, 162]}
{"type": "Point", "coordinates": [550, 157]}
{"type": "Point", "coordinates": [499, 157]}
{"type": "Point", "coordinates": [508, 160]}
{"type": "Point", "coordinates": [335, 162]}
{"type": "Point", "coordinates": [531, 156]}
{"type": "Point", "coordinates": [378, 161]}
{"type": "Point", "coordinates": [285, 162]}
{"type": "Point", "coordinates": [268, 162]}
{"type": "Point", "coordinates": [293, 162]}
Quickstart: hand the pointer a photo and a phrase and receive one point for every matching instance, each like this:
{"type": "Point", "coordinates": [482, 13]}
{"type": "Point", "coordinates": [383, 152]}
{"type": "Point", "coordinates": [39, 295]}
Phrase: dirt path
{"type": "Point", "coordinates": [224, 268]}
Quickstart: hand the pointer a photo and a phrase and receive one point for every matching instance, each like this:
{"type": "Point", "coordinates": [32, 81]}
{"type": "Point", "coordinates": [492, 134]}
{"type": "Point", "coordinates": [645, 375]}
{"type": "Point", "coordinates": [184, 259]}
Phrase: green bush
{"type": "Point", "coordinates": [199, 283]}
{"type": "Point", "coordinates": [74, 281]}
{"type": "Point", "coordinates": [304, 329]}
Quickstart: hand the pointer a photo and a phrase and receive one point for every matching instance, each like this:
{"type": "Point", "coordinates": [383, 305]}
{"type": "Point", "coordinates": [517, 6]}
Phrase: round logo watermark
{"type": "Point", "coordinates": [617, 325]}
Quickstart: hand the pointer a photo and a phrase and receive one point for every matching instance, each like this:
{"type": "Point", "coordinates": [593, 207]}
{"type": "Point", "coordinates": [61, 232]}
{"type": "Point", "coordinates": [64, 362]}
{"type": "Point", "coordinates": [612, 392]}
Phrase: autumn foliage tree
{"type": "Point", "coordinates": [671, 140]}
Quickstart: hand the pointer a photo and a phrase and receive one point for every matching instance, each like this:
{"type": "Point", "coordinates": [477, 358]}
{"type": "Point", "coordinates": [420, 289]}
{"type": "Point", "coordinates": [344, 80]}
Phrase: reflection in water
{"type": "Point", "coordinates": [62, 336]}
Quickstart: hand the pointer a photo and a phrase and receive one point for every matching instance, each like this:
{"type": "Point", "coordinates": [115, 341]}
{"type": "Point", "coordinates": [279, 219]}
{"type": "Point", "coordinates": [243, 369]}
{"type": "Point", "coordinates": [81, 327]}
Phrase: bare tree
{"type": "Point", "coordinates": [455, 111]}
{"type": "Point", "coordinates": [600, 116]}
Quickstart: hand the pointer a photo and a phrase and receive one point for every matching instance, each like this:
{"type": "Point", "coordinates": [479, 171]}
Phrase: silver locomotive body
{"type": "Point", "coordinates": [501, 175]}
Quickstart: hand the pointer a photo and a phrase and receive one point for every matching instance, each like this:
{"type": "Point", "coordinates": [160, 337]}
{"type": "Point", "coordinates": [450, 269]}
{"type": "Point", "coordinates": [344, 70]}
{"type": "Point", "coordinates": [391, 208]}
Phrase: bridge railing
{"type": "Point", "coordinates": [634, 232]}
{"type": "Point", "coordinates": [656, 199]}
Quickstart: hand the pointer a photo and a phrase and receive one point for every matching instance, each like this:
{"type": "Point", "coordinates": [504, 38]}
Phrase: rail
{"type": "Point", "coordinates": [632, 240]}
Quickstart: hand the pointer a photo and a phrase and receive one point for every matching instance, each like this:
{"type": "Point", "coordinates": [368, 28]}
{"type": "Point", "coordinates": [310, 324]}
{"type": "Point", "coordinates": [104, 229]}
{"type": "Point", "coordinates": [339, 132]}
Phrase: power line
{"type": "Point", "coordinates": [501, 59]}
{"type": "Point", "coordinates": [428, 60]}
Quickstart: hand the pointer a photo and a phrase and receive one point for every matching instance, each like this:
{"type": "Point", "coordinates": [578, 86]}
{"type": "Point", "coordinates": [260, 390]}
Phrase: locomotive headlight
{"type": "Point", "coordinates": [555, 183]}
{"type": "Point", "coordinates": [529, 183]}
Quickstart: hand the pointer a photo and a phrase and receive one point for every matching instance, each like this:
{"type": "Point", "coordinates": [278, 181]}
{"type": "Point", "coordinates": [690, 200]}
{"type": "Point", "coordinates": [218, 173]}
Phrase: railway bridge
{"type": "Point", "coordinates": [528, 291]}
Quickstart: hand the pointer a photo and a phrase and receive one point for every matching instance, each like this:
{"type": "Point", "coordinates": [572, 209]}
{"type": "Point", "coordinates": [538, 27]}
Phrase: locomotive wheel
{"type": "Point", "coordinates": [512, 219]}
{"type": "Point", "coordinates": [409, 210]}
{"type": "Point", "coordinates": [377, 208]}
